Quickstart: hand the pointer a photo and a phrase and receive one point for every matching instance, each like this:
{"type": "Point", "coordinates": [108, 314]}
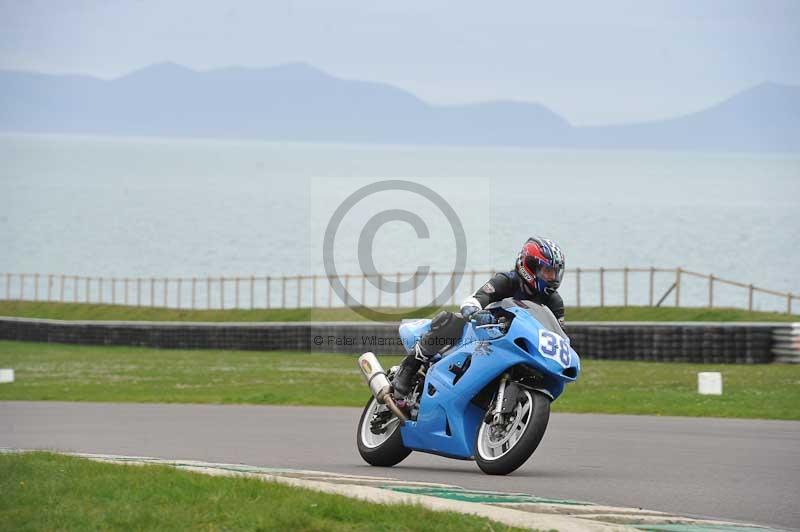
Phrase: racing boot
{"type": "Point", "coordinates": [405, 377]}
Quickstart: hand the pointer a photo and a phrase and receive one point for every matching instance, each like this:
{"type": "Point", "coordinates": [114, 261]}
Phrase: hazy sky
{"type": "Point", "coordinates": [592, 62]}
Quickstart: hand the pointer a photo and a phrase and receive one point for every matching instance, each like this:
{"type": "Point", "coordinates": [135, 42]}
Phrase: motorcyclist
{"type": "Point", "coordinates": [536, 277]}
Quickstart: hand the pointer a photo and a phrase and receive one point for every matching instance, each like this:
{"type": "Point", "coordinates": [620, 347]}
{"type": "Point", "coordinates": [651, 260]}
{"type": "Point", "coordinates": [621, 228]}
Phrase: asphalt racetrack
{"type": "Point", "coordinates": [746, 470]}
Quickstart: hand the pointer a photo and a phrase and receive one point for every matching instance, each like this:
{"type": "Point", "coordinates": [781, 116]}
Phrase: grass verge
{"type": "Point", "coordinates": [43, 491]}
{"type": "Point", "coordinates": [126, 374]}
{"type": "Point", "coordinates": [84, 311]}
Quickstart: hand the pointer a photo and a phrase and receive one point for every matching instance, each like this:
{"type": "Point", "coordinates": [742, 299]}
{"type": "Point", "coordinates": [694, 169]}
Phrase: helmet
{"type": "Point", "coordinates": [540, 266]}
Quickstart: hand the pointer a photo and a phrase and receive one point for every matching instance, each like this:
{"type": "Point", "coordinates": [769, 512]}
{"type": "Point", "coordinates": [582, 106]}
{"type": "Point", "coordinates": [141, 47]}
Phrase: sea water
{"type": "Point", "coordinates": [133, 207]}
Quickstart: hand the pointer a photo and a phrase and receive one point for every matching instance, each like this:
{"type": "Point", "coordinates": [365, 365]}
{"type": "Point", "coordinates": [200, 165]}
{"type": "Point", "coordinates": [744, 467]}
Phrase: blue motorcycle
{"type": "Point", "coordinates": [485, 399]}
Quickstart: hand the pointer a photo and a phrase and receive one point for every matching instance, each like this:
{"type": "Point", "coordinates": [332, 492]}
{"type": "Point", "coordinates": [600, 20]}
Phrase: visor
{"type": "Point", "coordinates": [549, 274]}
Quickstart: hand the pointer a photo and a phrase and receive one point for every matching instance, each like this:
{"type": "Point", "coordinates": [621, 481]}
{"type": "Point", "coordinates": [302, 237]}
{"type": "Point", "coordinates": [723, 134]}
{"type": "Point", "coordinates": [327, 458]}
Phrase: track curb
{"type": "Point", "coordinates": [513, 509]}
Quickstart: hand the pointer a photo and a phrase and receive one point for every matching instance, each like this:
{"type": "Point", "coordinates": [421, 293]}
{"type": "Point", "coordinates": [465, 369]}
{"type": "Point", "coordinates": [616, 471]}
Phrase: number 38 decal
{"type": "Point", "coordinates": [553, 346]}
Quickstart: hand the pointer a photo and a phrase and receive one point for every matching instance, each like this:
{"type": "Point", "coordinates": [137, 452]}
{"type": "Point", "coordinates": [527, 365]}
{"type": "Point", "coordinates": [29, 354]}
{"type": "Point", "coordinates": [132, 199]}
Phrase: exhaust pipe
{"type": "Point", "coordinates": [379, 383]}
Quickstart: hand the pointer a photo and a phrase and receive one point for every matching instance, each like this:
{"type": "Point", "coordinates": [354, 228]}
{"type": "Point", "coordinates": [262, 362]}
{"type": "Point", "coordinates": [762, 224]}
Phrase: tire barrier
{"type": "Point", "coordinates": [786, 343]}
{"type": "Point", "coordinates": [336, 337]}
{"type": "Point", "coordinates": [750, 343]}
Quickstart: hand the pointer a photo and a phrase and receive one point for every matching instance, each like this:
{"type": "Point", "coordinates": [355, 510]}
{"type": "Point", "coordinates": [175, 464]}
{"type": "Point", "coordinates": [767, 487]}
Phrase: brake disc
{"type": "Point", "coordinates": [505, 428]}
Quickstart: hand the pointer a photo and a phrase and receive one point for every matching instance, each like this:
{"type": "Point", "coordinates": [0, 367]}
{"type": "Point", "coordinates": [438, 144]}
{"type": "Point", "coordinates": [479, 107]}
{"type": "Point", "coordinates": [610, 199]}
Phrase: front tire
{"type": "Point", "coordinates": [383, 450]}
{"type": "Point", "coordinates": [499, 452]}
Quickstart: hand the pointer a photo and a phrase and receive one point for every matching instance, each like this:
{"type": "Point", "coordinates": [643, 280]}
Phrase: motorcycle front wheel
{"type": "Point", "coordinates": [501, 449]}
{"type": "Point", "coordinates": [386, 448]}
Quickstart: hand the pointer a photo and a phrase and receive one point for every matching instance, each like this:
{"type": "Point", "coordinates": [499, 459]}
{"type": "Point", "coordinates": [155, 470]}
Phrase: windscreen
{"type": "Point", "coordinates": [546, 317]}
{"type": "Point", "coordinates": [541, 313]}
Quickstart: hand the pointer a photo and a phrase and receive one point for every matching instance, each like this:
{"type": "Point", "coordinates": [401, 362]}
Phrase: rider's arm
{"type": "Point", "coordinates": [498, 287]}
{"type": "Point", "coordinates": [556, 304]}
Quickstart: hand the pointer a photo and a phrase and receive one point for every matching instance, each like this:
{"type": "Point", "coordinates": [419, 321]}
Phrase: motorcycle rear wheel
{"type": "Point", "coordinates": [501, 452]}
{"type": "Point", "coordinates": [383, 450]}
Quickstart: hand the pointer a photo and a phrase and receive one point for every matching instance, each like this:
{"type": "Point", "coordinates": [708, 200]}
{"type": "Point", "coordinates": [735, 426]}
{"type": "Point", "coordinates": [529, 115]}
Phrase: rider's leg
{"type": "Point", "coordinates": [446, 330]}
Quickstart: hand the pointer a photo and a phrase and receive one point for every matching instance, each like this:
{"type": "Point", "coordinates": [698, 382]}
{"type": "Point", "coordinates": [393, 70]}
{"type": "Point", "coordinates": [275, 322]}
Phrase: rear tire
{"type": "Point", "coordinates": [531, 415]}
{"type": "Point", "coordinates": [383, 450]}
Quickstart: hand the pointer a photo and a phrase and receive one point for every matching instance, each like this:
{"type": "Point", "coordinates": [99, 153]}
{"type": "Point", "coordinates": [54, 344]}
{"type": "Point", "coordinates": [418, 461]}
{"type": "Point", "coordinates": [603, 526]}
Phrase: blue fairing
{"type": "Point", "coordinates": [448, 421]}
{"type": "Point", "coordinates": [411, 331]}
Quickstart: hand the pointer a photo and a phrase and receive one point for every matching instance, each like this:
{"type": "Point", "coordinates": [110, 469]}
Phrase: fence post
{"type": "Point", "coordinates": [602, 287]}
{"type": "Point", "coordinates": [138, 291]}
{"type": "Point", "coordinates": [49, 287]}
{"type": "Point", "coordinates": [178, 296]}
{"type": "Point", "coordinates": [21, 286]}
{"type": "Point", "coordinates": [8, 286]}
{"type": "Point", "coordinates": [416, 273]}
{"type": "Point", "coordinates": [299, 289]}
{"type": "Point", "coordinates": [125, 299]}
{"type": "Point", "coordinates": [208, 293]}
{"type": "Point", "coordinates": [397, 278]}
{"type": "Point", "coordinates": [252, 291]}
{"type": "Point", "coordinates": [75, 289]}
{"type": "Point", "coordinates": [626, 286]}
{"type": "Point", "coordinates": [269, 290]}
{"type": "Point", "coordinates": [36, 287]}
{"type": "Point", "coordinates": [87, 289]}
{"type": "Point", "coordinates": [677, 287]}
{"type": "Point", "coordinates": [750, 298]}
{"type": "Point", "coordinates": [283, 291]}
{"type": "Point", "coordinates": [652, 279]}
{"type": "Point", "coordinates": [330, 292]}
{"type": "Point", "coordinates": [578, 286]}
{"type": "Point", "coordinates": [222, 292]}
{"type": "Point", "coordinates": [347, 290]}
{"type": "Point", "coordinates": [166, 301]}
{"type": "Point", "coordinates": [194, 291]}
{"type": "Point", "coordinates": [236, 291]}
{"type": "Point", "coordinates": [152, 292]}
{"type": "Point", "coordinates": [314, 291]}
{"type": "Point", "coordinates": [711, 291]}
{"type": "Point", "coordinates": [61, 290]}
{"type": "Point", "coordinates": [100, 290]}
{"type": "Point", "coordinates": [789, 303]}
{"type": "Point", "coordinates": [113, 291]}
{"type": "Point", "coordinates": [364, 289]}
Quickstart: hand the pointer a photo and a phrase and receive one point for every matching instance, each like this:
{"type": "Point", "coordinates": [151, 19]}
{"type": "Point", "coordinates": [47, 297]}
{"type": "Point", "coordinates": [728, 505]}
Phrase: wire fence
{"type": "Point", "coordinates": [581, 287]}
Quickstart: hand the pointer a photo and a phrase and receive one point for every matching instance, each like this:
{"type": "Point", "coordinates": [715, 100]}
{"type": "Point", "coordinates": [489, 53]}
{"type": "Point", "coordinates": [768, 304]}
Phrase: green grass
{"type": "Point", "coordinates": [84, 311]}
{"type": "Point", "coordinates": [673, 314]}
{"type": "Point", "coordinates": [125, 374]}
{"type": "Point", "coordinates": [765, 391]}
{"type": "Point", "coordinates": [42, 491]}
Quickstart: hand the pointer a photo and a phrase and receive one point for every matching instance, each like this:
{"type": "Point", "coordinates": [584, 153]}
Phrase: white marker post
{"type": "Point", "coordinates": [709, 383]}
{"type": "Point", "coordinates": [6, 375]}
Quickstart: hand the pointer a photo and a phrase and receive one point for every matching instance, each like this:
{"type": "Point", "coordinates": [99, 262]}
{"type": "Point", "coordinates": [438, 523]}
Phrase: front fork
{"type": "Point", "coordinates": [505, 401]}
{"type": "Point", "coordinates": [497, 415]}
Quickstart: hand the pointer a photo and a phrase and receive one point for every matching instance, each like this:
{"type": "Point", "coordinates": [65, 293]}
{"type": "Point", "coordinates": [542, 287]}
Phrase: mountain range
{"type": "Point", "coordinates": [297, 102]}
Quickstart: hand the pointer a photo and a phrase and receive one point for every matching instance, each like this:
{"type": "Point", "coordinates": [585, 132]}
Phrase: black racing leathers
{"type": "Point", "coordinates": [507, 284]}
{"type": "Point", "coordinates": [447, 327]}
